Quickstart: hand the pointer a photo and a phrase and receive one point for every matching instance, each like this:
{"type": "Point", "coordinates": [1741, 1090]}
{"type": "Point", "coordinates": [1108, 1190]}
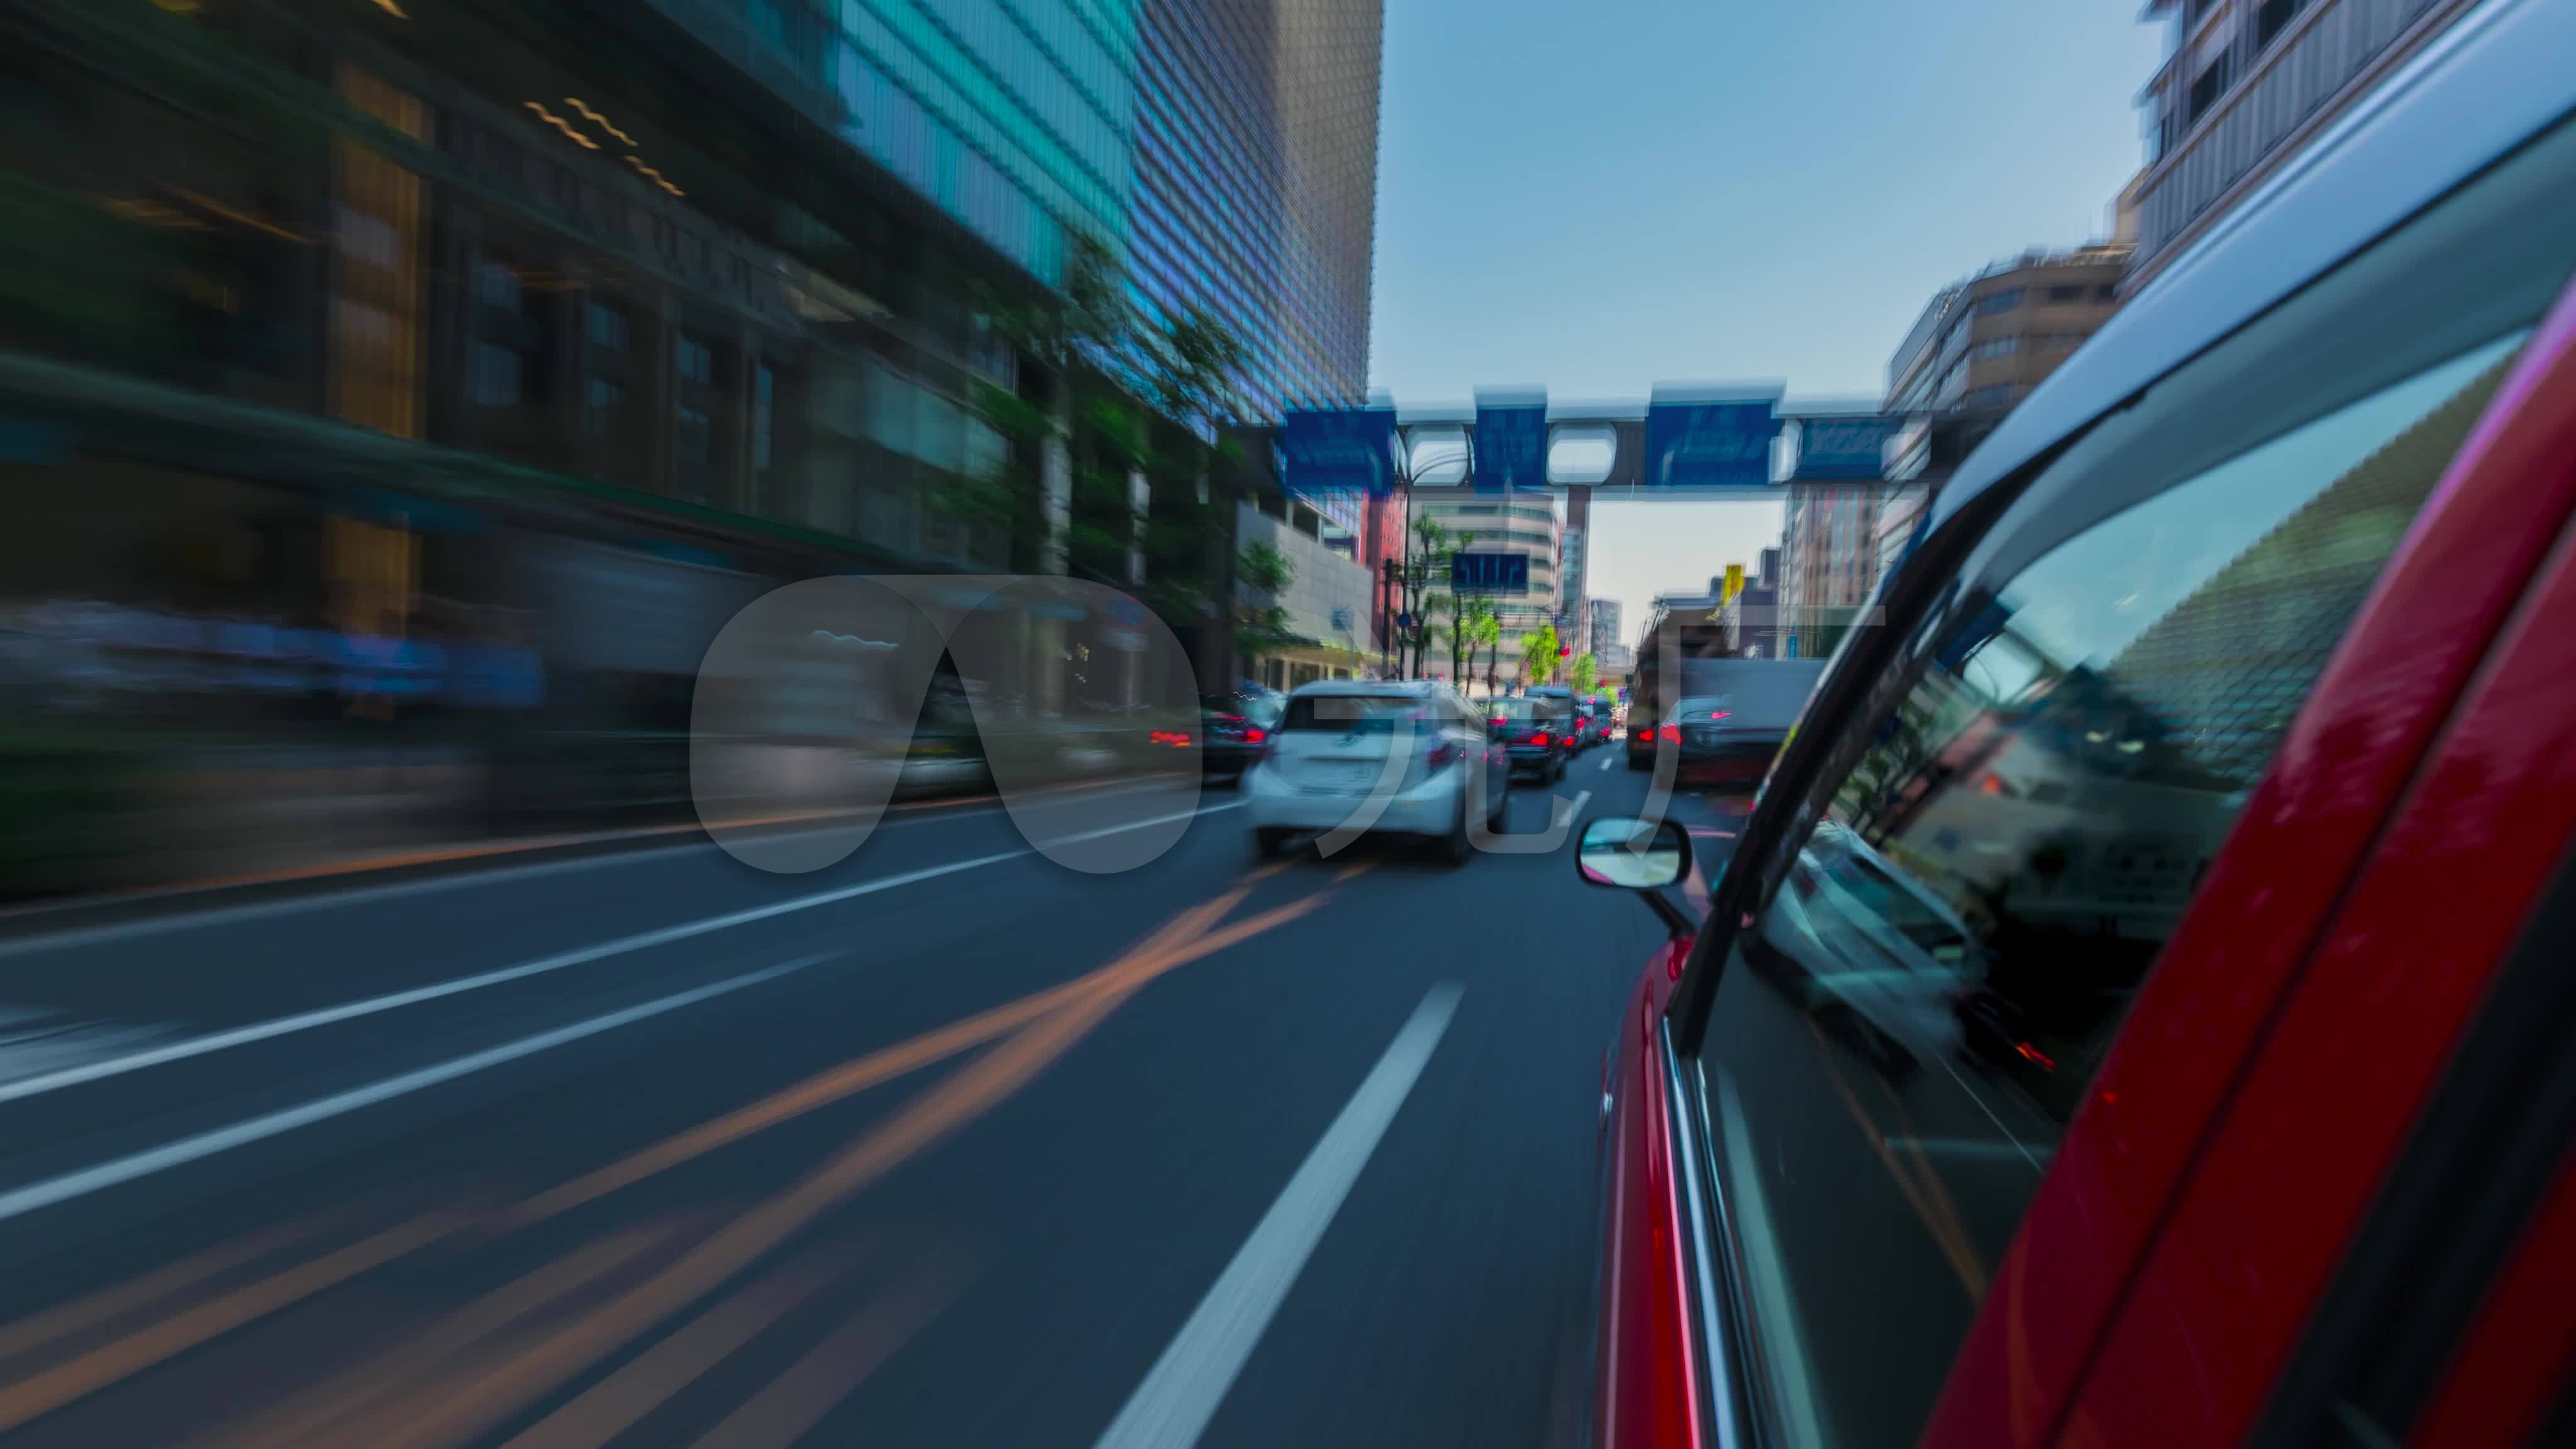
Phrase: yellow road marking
{"type": "Point", "coordinates": [85, 1375]}
{"type": "Point", "coordinates": [57, 1324]}
{"type": "Point", "coordinates": [616, 1403]}
{"type": "Point", "coordinates": [797, 1400]}
{"type": "Point", "coordinates": [319, 1414]}
{"type": "Point", "coordinates": [1048, 1023]}
{"type": "Point", "coordinates": [965, 1095]}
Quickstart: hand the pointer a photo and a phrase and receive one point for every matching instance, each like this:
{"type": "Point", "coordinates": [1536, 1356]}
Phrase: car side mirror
{"type": "Point", "coordinates": [1637, 855]}
{"type": "Point", "coordinates": [1642, 856]}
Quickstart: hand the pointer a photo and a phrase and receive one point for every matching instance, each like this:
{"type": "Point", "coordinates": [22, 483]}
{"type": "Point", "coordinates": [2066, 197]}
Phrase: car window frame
{"type": "Point", "coordinates": [1947, 578]}
{"type": "Point", "coordinates": [1876, 667]}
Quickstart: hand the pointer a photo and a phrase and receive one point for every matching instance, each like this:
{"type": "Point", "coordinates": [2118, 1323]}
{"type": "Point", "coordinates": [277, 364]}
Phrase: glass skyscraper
{"type": "Point", "coordinates": [1226, 149]}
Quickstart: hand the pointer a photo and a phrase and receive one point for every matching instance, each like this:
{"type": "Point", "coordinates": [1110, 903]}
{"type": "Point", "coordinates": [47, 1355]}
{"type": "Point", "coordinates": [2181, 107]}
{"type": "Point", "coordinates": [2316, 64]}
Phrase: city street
{"type": "Point", "coordinates": [945, 1144]}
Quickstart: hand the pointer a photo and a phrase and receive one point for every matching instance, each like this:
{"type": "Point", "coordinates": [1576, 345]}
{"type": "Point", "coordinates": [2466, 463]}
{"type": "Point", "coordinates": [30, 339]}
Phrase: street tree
{"type": "Point", "coordinates": [1538, 654]}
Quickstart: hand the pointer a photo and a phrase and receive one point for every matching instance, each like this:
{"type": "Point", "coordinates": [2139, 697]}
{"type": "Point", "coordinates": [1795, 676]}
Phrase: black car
{"type": "Point", "coordinates": [1234, 729]}
{"type": "Point", "coordinates": [1536, 731]}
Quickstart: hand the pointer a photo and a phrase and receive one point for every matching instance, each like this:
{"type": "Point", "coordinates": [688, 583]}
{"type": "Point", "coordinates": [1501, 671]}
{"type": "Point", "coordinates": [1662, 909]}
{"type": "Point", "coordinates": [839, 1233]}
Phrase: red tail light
{"type": "Point", "coordinates": [1502, 719]}
{"type": "Point", "coordinates": [1177, 739]}
{"type": "Point", "coordinates": [1255, 734]}
{"type": "Point", "coordinates": [1443, 753]}
{"type": "Point", "coordinates": [1540, 738]}
{"type": "Point", "coordinates": [1672, 732]}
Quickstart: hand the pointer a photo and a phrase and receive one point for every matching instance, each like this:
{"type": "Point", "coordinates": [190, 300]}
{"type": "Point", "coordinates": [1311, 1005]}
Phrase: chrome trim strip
{"type": "Point", "coordinates": [1722, 1396]}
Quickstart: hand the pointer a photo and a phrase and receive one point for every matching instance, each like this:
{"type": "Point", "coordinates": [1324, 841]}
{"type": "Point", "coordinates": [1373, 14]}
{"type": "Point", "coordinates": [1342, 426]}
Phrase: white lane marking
{"type": "Point", "coordinates": [1172, 1406]}
{"type": "Point", "coordinates": [1606, 762]}
{"type": "Point", "coordinates": [19, 1201]}
{"type": "Point", "coordinates": [1581, 799]}
{"type": "Point", "coordinates": [924, 813]}
{"type": "Point", "coordinates": [196, 1046]}
{"type": "Point", "coordinates": [35, 1041]}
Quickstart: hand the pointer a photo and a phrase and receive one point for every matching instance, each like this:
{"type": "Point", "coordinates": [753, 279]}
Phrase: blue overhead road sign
{"type": "Point", "coordinates": [1511, 447]}
{"type": "Point", "coordinates": [1489, 573]}
{"type": "Point", "coordinates": [1345, 448]}
{"type": "Point", "coordinates": [1710, 444]}
{"type": "Point", "coordinates": [1843, 447]}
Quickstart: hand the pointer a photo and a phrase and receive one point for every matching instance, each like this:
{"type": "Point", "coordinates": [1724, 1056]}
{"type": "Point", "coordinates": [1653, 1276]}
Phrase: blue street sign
{"type": "Point", "coordinates": [1341, 448]}
{"type": "Point", "coordinates": [1511, 447]}
{"type": "Point", "coordinates": [1489, 573]}
{"type": "Point", "coordinates": [1710, 444]}
{"type": "Point", "coordinates": [1843, 447]}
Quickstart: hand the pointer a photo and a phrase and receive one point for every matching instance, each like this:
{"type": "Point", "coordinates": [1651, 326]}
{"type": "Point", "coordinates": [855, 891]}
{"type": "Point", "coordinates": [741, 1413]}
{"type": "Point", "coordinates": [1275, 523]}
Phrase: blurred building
{"type": "Point", "coordinates": [1602, 624]}
{"type": "Point", "coordinates": [1980, 346]}
{"type": "Point", "coordinates": [1614, 662]}
{"type": "Point", "coordinates": [1521, 523]}
{"type": "Point", "coordinates": [1327, 601]}
{"type": "Point", "coordinates": [1711, 625]}
{"type": "Point", "coordinates": [2244, 85]}
{"type": "Point", "coordinates": [1573, 578]}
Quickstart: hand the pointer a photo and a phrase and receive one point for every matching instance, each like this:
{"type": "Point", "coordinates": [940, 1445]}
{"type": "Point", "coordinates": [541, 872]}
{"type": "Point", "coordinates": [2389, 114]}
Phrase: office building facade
{"type": "Point", "coordinates": [1521, 523]}
{"type": "Point", "coordinates": [1603, 626]}
{"type": "Point", "coordinates": [2243, 86]}
{"type": "Point", "coordinates": [1225, 150]}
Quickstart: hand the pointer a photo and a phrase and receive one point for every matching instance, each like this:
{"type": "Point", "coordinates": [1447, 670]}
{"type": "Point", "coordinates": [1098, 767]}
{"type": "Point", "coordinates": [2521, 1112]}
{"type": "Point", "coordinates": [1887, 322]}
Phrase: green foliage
{"type": "Point", "coordinates": [1263, 628]}
{"type": "Point", "coordinates": [1133, 398]}
{"type": "Point", "coordinates": [1538, 654]}
{"type": "Point", "coordinates": [1579, 674]}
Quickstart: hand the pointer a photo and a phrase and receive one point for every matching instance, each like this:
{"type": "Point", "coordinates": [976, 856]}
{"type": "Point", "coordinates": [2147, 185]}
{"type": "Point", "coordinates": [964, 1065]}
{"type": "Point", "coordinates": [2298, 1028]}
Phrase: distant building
{"type": "Point", "coordinates": [1603, 624]}
{"type": "Point", "coordinates": [1980, 347]}
{"type": "Point", "coordinates": [2244, 86]}
{"type": "Point", "coordinates": [1713, 625]}
{"type": "Point", "coordinates": [1522, 523]}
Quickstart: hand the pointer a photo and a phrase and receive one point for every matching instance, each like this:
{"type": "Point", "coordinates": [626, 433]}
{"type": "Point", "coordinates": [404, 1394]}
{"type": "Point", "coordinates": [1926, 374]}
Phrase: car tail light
{"type": "Point", "coordinates": [1540, 738]}
{"type": "Point", "coordinates": [1443, 753]}
{"type": "Point", "coordinates": [1177, 739]}
{"type": "Point", "coordinates": [1672, 732]}
{"type": "Point", "coordinates": [1254, 734]}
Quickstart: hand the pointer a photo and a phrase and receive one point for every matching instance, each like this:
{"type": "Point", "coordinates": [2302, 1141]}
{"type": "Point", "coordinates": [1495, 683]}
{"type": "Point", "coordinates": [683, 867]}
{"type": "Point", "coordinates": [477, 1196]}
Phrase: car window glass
{"type": "Point", "coordinates": [1923, 1000]}
{"type": "Point", "coordinates": [1353, 713]}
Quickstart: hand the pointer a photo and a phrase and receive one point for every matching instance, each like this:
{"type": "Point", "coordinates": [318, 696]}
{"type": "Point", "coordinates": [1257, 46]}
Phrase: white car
{"type": "Point", "coordinates": [1399, 757]}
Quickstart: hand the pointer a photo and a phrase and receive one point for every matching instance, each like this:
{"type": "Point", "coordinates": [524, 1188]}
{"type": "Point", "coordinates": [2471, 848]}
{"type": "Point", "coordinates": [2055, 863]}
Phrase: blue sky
{"type": "Point", "coordinates": [1597, 197]}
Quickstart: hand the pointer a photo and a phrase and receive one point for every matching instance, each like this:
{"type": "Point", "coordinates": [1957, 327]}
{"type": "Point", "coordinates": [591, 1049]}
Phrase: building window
{"type": "Point", "coordinates": [2066, 294]}
{"type": "Point", "coordinates": [607, 327]}
{"type": "Point", "coordinates": [2207, 88]}
{"type": "Point", "coordinates": [1990, 397]}
{"type": "Point", "coordinates": [495, 380]}
{"type": "Point", "coordinates": [692, 438]}
{"type": "Point", "coordinates": [1999, 347]}
{"type": "Point", "coordinates": [601, 404]}
{"type": "Point", "coordinates": [2272, 17]}
{"type": "Point", "coordinates": [2003, 301]}
{"type": "Point", "coordinates": [696, 362]}
{"type": "Point", "coordinates": [496, 286]}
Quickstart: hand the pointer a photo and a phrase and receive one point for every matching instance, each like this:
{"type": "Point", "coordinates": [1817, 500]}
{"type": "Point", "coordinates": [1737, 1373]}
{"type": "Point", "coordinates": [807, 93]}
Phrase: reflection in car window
{"type": "Point", "coordinates": [1954, 947]}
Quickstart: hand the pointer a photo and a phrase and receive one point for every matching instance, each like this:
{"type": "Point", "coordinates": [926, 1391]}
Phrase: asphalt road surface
{"type": "Point", "coordinates": [946, 1144]}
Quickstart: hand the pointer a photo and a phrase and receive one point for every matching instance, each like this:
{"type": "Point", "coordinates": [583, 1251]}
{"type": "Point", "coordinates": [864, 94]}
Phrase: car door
{"type": "Point", "coordinates": [2062, 738]}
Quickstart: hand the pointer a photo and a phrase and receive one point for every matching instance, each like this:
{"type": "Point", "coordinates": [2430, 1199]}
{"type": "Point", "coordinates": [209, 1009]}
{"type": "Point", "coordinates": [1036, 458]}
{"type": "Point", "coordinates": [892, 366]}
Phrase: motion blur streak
{"type": "Point", "coordinates": [93, 1371]}
{"type": "Point", "coordinates": [612, 1405]}
{"type": "Point", "coordinates": [798, 1399]}
{"type": "Point", "coordinates": [112, 1303]}
{"type": "Point", "coordinates": [972, 1091]}
{"type": "Point", "coordinates": [321, 1415]}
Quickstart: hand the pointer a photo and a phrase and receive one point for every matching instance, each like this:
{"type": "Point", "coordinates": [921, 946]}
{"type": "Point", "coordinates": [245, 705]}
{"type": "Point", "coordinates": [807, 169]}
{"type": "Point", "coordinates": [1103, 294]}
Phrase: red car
{"type": "Point", "coordinates": [2138, 1011]}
